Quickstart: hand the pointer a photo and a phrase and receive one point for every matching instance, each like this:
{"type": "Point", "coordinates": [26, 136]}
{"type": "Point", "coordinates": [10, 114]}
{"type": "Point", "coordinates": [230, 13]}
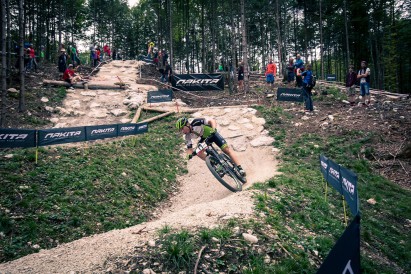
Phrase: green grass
{"type": "Point", "coordinates": [76, 192]}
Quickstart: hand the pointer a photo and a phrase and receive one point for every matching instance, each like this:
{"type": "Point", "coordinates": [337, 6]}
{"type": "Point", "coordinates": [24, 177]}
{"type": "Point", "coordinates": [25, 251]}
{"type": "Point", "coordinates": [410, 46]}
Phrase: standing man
{"type": "Point", "coordinates": [270, 74]}
{"type": "Point", "coordinates": [307, 87]}
{"type": "Point", "coordinates": [350, 80]}
{"type": "Point", "coordinates": [62, 61]}
{"type": "Point", "coordinates": [364, 76]}
{"type": "Point", "coordinates": [290, 70]}
{"type": "Point", "coordinates": [299, 68]}
{"type": "Point", "coordinates": [168, 72]}
{"type": "Point", "coordinates": [241, 77]}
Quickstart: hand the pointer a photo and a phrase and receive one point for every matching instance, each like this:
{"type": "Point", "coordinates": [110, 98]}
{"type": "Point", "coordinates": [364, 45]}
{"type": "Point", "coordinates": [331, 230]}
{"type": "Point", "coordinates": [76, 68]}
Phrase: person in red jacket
{"type": "Point", "coordinates": [70, 76]}
{"type": "Point", "coordinates": [350, 80]}
{"type": "Point", "coordinates": [270, 74]}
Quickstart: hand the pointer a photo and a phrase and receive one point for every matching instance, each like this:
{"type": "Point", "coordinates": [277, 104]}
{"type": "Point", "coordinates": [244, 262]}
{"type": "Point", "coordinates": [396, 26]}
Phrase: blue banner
{"type": "Point", "coordinates": [344, 258]}
{"type": "Point", "coordinates": [290, 94]}
{"type": "Point", "coordinates": [17, 138]}
{"type": "Point", "coordinates": [324, 165]}
{"type": "Point", "coordinates": [141, 128]}
{"type": "Point", "coordinates": [101, 132]}
{"type": "Point", "coordinates": [331, 77]}
{"type": "Point", "coordinates": [162, 95]}
{"type": "Point", "coordinates": [61, 135]}
{"type": "Point", "coordinates": [349, 189]}
{"type": "Point", "coordinates": [334, 176]}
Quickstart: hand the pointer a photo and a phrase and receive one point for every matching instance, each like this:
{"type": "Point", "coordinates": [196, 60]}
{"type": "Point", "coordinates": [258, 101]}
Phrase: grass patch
{"type": "Point", "coordinates": [76, 192]}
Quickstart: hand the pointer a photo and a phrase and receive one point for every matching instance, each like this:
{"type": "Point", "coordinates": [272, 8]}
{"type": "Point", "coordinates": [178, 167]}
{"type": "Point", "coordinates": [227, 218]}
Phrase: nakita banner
{"type": "Point", "coordinates": [290, 94]}
{"type": "Point", "coordinates": [198, 82]}
{"type": "Point", "coordinates": [344, 258]}
{"type": "Point", "coordinates": [17, 138]}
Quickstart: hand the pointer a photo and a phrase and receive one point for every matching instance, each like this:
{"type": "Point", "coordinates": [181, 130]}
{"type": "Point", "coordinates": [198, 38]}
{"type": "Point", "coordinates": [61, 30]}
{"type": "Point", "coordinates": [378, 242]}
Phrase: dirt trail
{"type": "Point", "coordinates": [200, 201]}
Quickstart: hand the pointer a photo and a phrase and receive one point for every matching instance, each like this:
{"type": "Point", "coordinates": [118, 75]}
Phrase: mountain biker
{"type": "Point", "coordinates": [204, 128]}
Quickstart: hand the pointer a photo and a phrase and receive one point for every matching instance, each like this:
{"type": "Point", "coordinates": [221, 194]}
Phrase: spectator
{"type": "Point", "coordinates": [92, 54]}
{"type": "Point", "coordinates": [364, 76]}
{"type": "Point", "coordinates": [70, 76]}
{"type": "Point", "coordinates": [62, 61]}
{"type": "Point", "coordinates": [270, 74]}
{"type": "Point", "coordinates": [150, 50]}
{"type": "Point", "coordinates": [165, 56]}
{"type": "Point", "coordinates": [114, 54]}
{"type": "Point", "coordinates": [350, 80]}
{"type": "Point", "coordinates": [32, 58]}
{"type": "Point", "coordinates": [241, 77]}
{"type": "Point", "coordinates": [290, 70]}
{"type": "Point", "coordinates": [307, 88]}
{"type": "Point", "coordinates": [161, 67]}
{"type": "Point", "coordinates": [168, 71]}
{"type": "Point", "coordinates": [155, 56]}
{"type": "Point", "coordinates": [106, 51]}
{"type": "Point", "coordinates": [98, 53]}
{"type": "Point", "coordinates": [73, 52]}
{"type": "Point", "coordinates": [299, 65]}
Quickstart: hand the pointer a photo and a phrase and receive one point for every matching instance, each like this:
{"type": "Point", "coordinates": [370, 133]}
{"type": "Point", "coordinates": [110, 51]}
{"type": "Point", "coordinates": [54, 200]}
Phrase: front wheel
{"type": "Point", "coordinates": [225, 175]}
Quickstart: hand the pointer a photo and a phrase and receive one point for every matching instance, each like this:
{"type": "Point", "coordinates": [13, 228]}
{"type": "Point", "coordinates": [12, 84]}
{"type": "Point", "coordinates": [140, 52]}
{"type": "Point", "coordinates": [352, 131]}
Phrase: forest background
{"type": "Point", "coordinates": [200, 34]}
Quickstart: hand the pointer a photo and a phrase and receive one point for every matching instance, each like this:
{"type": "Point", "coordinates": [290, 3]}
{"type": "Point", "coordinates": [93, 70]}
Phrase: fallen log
{"type": "Point", "coordinates": [82, 85]}
{"type": "Point", "coordinates": [157, 117]}
{"type": "Point", "coordinates": [135, 119]}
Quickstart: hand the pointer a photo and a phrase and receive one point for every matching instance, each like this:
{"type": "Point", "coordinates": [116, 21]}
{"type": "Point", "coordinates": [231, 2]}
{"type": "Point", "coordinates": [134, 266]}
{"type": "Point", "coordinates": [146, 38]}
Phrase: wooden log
{"type": "Point", "coordinates": [154, 109]}
{"type": "Point", "coordinates": [81, 85]}
{"type": "Point", "coordinates": [135, 119]}
{"type": "Point", "coordinates": [157, 117]}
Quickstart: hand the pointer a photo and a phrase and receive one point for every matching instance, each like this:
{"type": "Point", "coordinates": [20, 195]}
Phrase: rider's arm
{"type": "Point", "coordinates": [212, 123]}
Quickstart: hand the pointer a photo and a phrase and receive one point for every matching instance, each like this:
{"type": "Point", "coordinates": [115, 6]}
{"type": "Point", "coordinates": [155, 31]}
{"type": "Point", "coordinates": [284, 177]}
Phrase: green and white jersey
{"type": "Point", "coordinates": [200, 128]}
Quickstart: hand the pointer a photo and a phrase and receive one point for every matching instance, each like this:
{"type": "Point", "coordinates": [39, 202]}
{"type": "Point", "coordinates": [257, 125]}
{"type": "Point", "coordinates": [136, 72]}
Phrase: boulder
{"type": "Point", "coordinates": [250, 238]}
{"type": "Point", "coordinates": [118, 112]}
{"type": "Point", "coordinates": [262, 141]}
{"type": "Point", "coordinates": [98, 113]}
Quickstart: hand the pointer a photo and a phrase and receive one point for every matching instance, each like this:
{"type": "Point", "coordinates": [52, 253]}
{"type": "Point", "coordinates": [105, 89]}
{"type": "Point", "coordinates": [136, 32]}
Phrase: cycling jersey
{"type": "Point", "coordinates": [200, 128]}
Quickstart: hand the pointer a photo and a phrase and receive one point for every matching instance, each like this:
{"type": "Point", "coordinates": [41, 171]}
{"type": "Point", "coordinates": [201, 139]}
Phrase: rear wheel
{"type": "Point", "coordinates": [224, 174]}
{"type": "Point", "coordinates": [231, 164]}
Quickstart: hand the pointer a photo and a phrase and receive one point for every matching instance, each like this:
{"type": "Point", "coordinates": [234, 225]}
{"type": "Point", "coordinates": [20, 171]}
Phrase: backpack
{"type": "Point", "coordinates": [313, 81]}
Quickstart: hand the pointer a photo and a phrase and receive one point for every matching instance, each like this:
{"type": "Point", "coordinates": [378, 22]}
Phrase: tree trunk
{"type": "Point", "coordinates": [280, 59]}
{"type": "Point", "coordinates": [233, 51]}
{"type": "Point", "coordinates": [171, 32]}
{"type": "Point", "coordinates": [22, 104]}
{"type": "Point", "coordinates": [321, 42]}
{"type": "Point", "coordinates": [203, 55]}
{"type": "Point", "coordinates": [347, 63]}
{"type": "Point", "coordinates": [244, 46]}
{"type": "Point", "coordinates": [9, 46]}
{"type": "Point", "coordinates": [3, 64]}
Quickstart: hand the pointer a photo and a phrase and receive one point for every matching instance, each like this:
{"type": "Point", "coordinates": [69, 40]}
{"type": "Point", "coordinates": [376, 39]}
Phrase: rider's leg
{"type": "Point", "coordinates": [202, 155]}
{"type": "Point", "coordinates": [232, 155]}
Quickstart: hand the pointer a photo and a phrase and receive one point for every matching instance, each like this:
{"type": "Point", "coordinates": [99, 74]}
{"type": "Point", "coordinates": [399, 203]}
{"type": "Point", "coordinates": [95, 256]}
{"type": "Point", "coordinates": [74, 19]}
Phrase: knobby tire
{"type": "Point", "coordinates": [233, 167]}
{"type": "Point", "coordinates": [234, 187]}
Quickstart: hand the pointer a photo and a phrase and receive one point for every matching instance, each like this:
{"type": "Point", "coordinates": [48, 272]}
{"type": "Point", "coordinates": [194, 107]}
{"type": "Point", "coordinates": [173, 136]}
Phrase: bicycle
{"type": "Point", "coordinates": [220, 164]}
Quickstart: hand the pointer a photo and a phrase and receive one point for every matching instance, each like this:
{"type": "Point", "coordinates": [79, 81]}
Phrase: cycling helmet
{"type": "Point", "coordinates": [181, 123]}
